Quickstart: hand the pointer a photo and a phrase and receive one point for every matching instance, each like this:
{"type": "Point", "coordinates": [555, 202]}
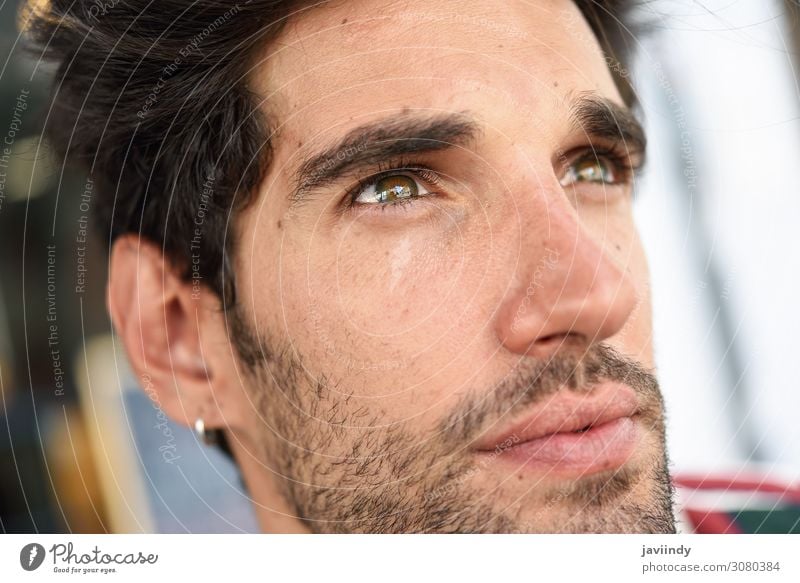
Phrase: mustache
{"type": "Point", "coordinates": [534, 381]}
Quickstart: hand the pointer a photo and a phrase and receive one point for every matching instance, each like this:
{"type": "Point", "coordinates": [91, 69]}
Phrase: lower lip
{"type": "Point", "coordinates": [601, 448]}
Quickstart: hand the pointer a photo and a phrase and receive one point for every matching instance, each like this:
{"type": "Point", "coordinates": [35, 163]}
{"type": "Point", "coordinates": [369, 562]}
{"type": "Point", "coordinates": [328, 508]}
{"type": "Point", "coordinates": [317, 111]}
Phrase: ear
{"type": "Point", "coordinates": [174, 334]}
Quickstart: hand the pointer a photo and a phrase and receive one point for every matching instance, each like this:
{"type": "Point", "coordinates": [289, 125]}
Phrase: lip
{"type": "Point", "coordinates": [570, 433]}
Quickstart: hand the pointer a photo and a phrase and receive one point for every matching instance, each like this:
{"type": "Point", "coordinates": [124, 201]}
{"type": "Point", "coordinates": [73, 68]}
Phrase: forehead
{"type": "Point", "coordinates": [338, 64]}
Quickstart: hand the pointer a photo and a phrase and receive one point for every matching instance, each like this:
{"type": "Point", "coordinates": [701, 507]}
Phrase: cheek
{"type": "Point", "coordinates": [399, 277]}
{"type": "Point", "coordinates": [389, 308]}
{"type": "Point", "coordinates": [635, 337]}
{"type": "Point", "coordinates": [639, 343]}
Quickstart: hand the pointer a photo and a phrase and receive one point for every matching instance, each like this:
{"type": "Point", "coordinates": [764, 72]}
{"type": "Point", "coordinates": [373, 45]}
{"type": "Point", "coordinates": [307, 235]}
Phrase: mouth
{"type": "Point", "coordinates": [570, 434]}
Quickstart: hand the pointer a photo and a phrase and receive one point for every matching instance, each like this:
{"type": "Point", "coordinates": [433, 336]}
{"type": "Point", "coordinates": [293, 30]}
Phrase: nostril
{"type": "Point", "coordinates": [553, 338]}
{"type": "Point", "coordinates": [560, 340]}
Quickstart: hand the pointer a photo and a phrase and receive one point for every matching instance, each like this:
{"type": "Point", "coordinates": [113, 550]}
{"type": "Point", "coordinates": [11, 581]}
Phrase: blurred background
{"type": "Point", "coordinates": [82, 449]}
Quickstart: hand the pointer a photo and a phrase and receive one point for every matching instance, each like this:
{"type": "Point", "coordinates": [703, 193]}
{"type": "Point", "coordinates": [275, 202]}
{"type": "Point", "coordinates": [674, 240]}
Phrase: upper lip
{"type": "Point", "coordinates": [564, 412]}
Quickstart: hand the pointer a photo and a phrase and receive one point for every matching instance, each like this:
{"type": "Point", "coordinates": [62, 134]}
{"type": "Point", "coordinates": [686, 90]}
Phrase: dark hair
{"type": "Point", "coordinates": [152, 99]}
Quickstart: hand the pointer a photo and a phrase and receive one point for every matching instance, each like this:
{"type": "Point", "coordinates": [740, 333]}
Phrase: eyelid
{"type": "Point", "coordinates": [418, 171]}
{"type": "Point", "coordinates": [627, 162]}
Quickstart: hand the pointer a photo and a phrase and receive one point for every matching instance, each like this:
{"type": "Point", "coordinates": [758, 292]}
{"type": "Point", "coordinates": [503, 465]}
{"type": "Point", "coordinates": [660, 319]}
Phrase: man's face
{"type": "Point", "coordinates": [441, 285]}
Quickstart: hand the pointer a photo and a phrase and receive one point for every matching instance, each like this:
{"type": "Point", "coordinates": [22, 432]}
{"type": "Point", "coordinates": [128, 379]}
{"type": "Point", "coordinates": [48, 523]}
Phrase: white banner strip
{"type": "Point", "coordinates": [402, 558]}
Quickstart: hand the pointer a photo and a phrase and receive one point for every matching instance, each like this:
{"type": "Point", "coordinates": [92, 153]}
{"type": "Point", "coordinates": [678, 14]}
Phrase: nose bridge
{"type": "Point", "coordinates": [568, 288]}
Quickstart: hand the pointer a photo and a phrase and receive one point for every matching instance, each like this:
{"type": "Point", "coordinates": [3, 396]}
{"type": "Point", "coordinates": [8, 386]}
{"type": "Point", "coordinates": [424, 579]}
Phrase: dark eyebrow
{"type": "Point", "coordinates": [597, 116]}
{"type": "Point", "coordinates": [385, 138]}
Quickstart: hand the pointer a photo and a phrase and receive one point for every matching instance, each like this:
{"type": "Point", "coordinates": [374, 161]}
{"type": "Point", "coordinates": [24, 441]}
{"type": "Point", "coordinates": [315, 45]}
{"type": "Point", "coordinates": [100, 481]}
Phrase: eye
{"type": "Point", "coordinates": [597, 169]}
{"type": "Point", "coordinates": [390, 188]}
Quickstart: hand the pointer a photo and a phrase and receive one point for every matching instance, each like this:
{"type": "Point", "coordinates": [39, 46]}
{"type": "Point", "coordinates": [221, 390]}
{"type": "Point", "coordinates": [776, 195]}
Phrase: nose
{"type": "Point", "coordinates": [567, 291]}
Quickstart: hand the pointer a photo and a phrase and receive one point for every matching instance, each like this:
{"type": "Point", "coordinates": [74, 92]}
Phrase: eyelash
{"type": "Point", "coordinates": [620, 159]}
{"type": "Point", "coordinates": [620, 162]}
{"type": "Point", "coordinates": [385, 169]}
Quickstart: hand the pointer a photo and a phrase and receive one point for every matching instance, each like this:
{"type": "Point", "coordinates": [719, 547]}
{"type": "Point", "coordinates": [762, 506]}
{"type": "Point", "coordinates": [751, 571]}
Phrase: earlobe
{"type": "Point", "coordinates": [158, 321]}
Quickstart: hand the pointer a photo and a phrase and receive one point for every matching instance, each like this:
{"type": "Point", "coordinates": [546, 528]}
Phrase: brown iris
{"type": "Point", "coordinates": [593, 170]}
{"type": "Point", "coordinates": [394, 187]}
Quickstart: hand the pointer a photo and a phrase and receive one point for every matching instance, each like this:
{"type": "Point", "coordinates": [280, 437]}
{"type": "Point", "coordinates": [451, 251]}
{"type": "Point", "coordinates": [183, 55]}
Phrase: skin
{"type": "Point", "coordinates": [360, 337]}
